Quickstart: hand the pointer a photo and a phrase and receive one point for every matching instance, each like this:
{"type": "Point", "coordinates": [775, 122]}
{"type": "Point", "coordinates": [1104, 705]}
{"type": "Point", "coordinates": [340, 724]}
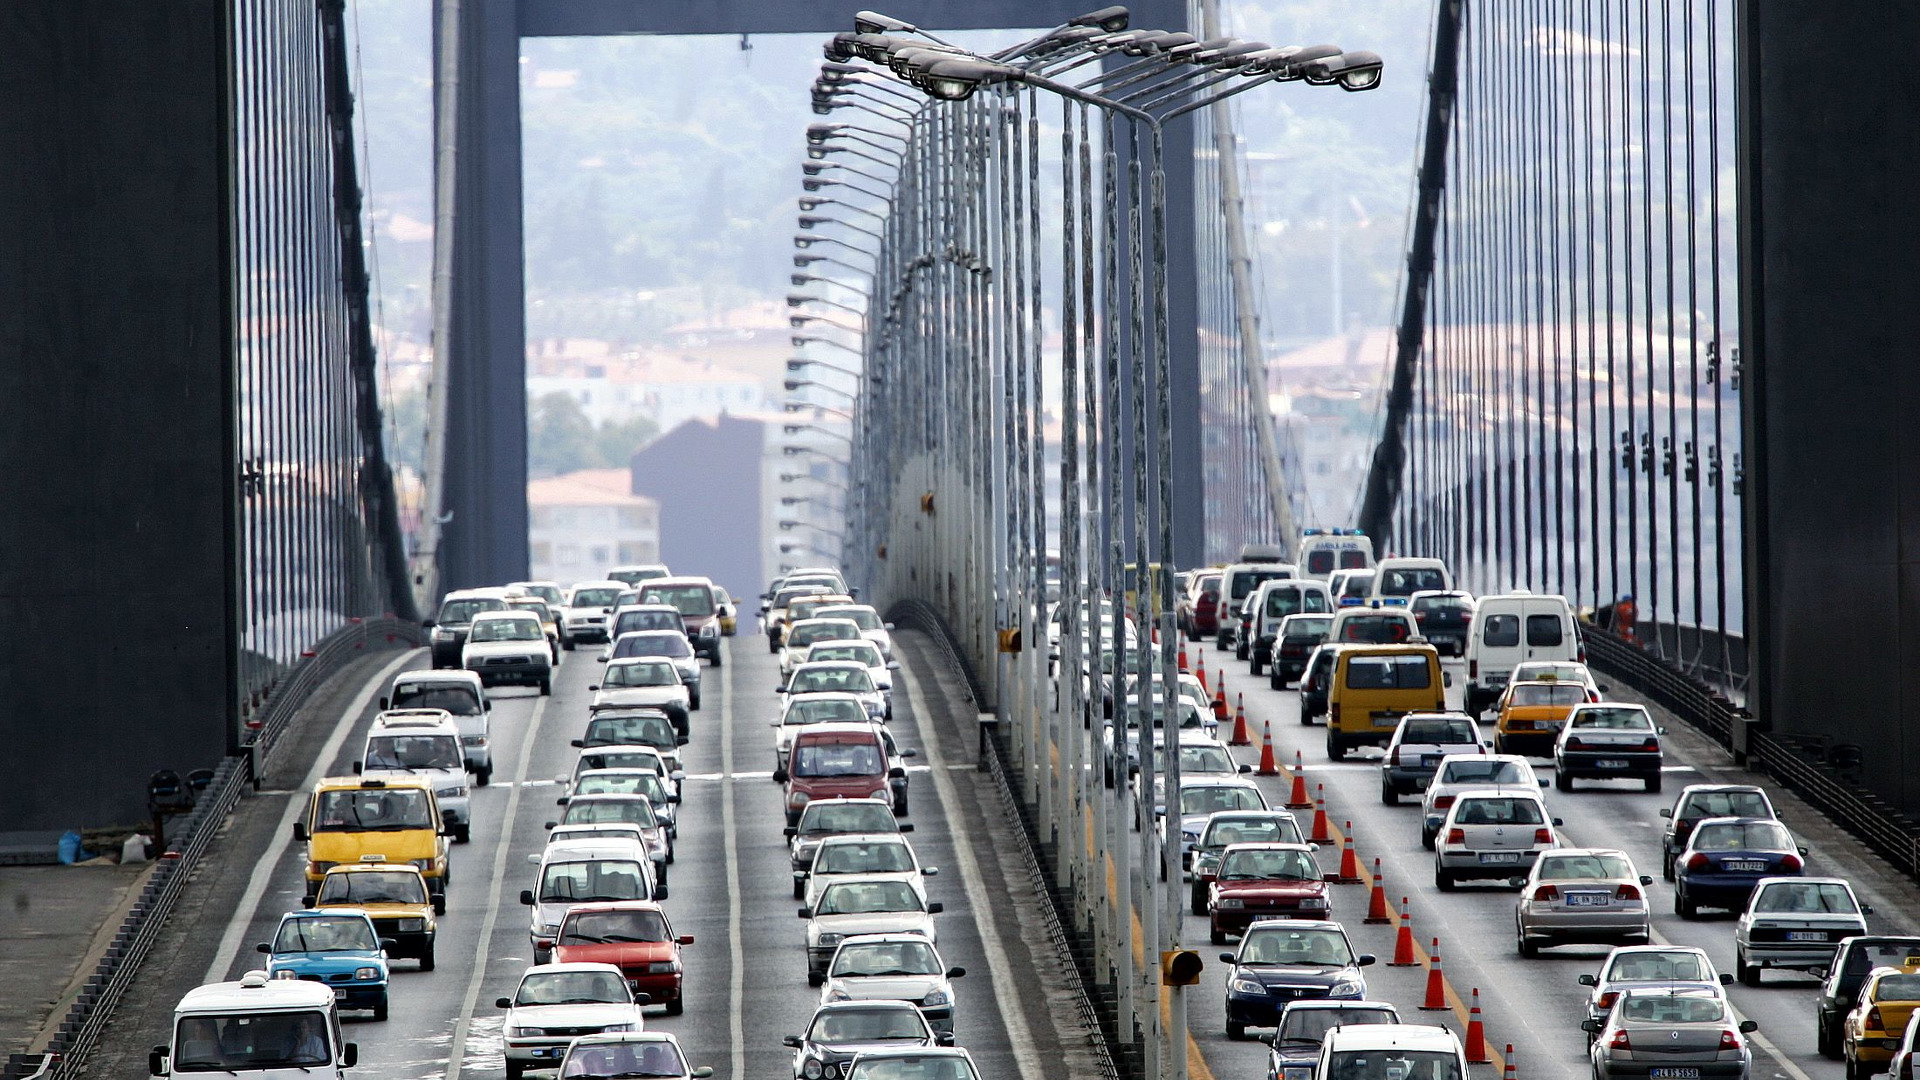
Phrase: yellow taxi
{"type": "Point", "coordinates": [1372, 686]}
{"type": "Point", "coordinates": [1871, 1032]}
{"type": "Point", "coordinates": [729, 615]}
{"type": "Point", "coordinates": [1532, 713]}
{"type": "Point", "coordinates": [394, 896]}
{"type": "Point", "coordinates": [393, 820]}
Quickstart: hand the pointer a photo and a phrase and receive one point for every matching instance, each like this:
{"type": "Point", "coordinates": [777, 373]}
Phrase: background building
{"type": "Point", "coordinates": [582, 523]}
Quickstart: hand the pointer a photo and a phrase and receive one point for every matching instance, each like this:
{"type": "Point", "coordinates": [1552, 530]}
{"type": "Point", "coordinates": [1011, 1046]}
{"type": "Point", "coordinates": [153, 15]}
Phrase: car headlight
{"type": "Point", "coordinates": [1230, 904]}
{"type": "Point", "coordinates": [663, 967]}
{"type": "Point", "coordinates": [450, 793]}
{"type": "Point", "coordinates": [828, 941]}
{"type": "Point", "coordinates": [811, 1069]}
{"type": "Point", "coordinates": [550, 929]}
{"type": "Point", "coordinates": [837, 994]}
{"type": "Point", "coordinates": [412, 924]}
{"type": "Point", "coordinates": [798, 799]}
{"type": "Point", "coordinates": [1245, 986]}
{"type": "Point", "coordinates": [425, 865]}
{"type": "Point", "coordinates": [286, 973]}
{"type": "Point", "coordinates": [525, 1032]}
{"type": "Point", "coordinates": [937, 997]}
{"type": "Point", "coordinates": [712, 629]}
{"type": "Point", "coordinates": [618, 1027]}
{"type": "Point", "coordinates": [1315, 902]}
{"type": "Point", "coordinates": [1346, 987]}
{"type": "Point", "coordinates": [366, 973]}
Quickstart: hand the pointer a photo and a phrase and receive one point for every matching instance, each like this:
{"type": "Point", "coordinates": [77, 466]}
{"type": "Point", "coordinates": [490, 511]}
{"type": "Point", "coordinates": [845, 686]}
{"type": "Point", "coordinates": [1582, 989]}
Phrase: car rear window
{"type": "Point", "coordinates": [1320, 562]}
{"type": "Point", "coordinates": [1544, 631]}
{"type": "Point", "coordinates": [1388, 673]}
{"type": "Point", "coordinates": [1548, 694]}
{"type": "Point", "coordinates": [1501, 631]}
{"type": "Point", "coordinates": [1706, 804]}
{"type": "Point", "coordinates": [1613, 720]}
{"type": "Point", "coordinates": [1438, 732]}
{"type": "Point", "coordinates": [1754, 836]}
{"type": "Point", "coordinates": [1499, 811]}
{"type": "Point", "coordinates": [1898, 988]}
{"type": "Point", "coordinates": [1407, 581]}
{"type": "Point", "coordinates": [1353, 560]}
{"type": "Point", "coordinates": [1673, 1008]}
{"type": "Point", "coordinates": [1382, 629]}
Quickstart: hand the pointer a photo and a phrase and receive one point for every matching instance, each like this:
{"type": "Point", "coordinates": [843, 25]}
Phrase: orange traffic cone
{"type": "Point", "coordinates": [1476, 1033]}
{"type": "Point", "coordinates": [1403, 942]}
{"type": "Point", "coordinates": [1349, 862]}
{"type": "Point", "coordinates": [1378, 913]}
{"type": "Point", "coordinates": [1436, 985]}
{"type": "Point", "coordinates": [1240, 737]}
{"type": "Point", "coordinates": [1507, 1073]}
{"type": "Point", "coordinates": [1201, 673]}
{"type": "Point", "coordinates": [1297, 799]}
{"type": "Point", "coordinates": [1220, 697]}
{"type": "Point", "coordinates": [1183, 656]}
{"type": "Point", "coordinates": [1321, 833]}
{"type": "Point", "coordinates": [1267, 766]}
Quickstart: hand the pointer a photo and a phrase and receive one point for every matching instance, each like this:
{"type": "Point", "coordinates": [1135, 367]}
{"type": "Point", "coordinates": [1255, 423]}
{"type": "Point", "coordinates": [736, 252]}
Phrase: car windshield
{"type": "Point", "coordinates": [1268, 864]}
{"type": "Point", "coordinates": [835, 1026]}
{"type": "Point", "coordinates": [868, 897]}
{"type": "Point", "coordinates": [373, 887]}
{"type": "Point", "coordinates": [251, 1041]}
{"type": "Point", "coordinates": [1437, 732]}
{"type": "Point", "coordinates": [1384, 629]}
{"type": "Point", "coordinates": [414, 752]}
{"type": "Point", "coordinates": [573, 988]}
{"type": "Point", "coordinates": [1498, 811]}
{"type": "Point", "coordinates": [879, 857]}
{"type": "Point", "coordinates": [824, 711]}
{"type": "Point", "coordinates": [1388, 673]}
{"type": "Point", "coordinates": [815, 760]}
{"type": "Point", "coordinates": [1587, 867]}
{"type": "Point", "coordinates": [1309, 627]}
{"type": "Point", "coordinates": [463, 611]}
{"type": "Point", "coordinates": [610, 1060]}
{"type": "Point", "coordinates": [538, 608]}
{"type": "Point", "coordinates": [327, 933]}
{"type": "Point", "coordinates": [1613, 720]}
{"type": "Point", "coordinates": [602, 597]}
{"type": "Point", "coordinates": [649, 730]}
{"type": "Point", "coordinates": [613, 927]}
{"type": "Point", "coordinates": [864, 618]}
{"type": "Point", "coordinates": [458, 700]}
{"type": "Point", "coordinates": [1292, 600]}
{"type": "Point", "coordinates": [599, 811]}
{"type": "Point", "coordinates": [1481, 771]}
{"type": "Point", "coordinates": [1405, 581]}
{"type": "Point", "coordinates": [1211, 799]}
{"type": "Point", "coordinates": [850, 679]}
{"type": "Point", "coordinates": [840, 649]}
{"type": "Point", "coordinates": [373, 810]}
{"type": "Point", "coordinates": [807, 633]}
{"type": "Point", "coordinates": [1262, 830]}
{"type": "Point", "coordinates": [1805, 897]}
{"type": "Point", "coordinates": [1548, 694]}
{"type": "Point", "coordinates": [844, 817]}
{"type": "Point", "coordinates": [1312, 1025]}
{"type": "Point", "coordinates": [507, 630]}
{"type": "Point", "coordinates": [1394, 1064]}
{"type": "Point", "coordinates": [1706, 804]}
{"type": "Point", "coordinates": [1662, 966]}
{"type": "Point", "coordinates": [1682, 1008]}
{"type": "Point", "coordinates": [640, 673]}
{"type": "Point", "coordinates": [686, 599]}
{"type": "Point", "coordinates": [1280, 946]}
{"type": "Point", "coordinates": [943, 1067]}
{"type": "Point", "coordinates": [786, 597]}
{"type": "Point", "coordinates": [1743, 836]}
{"type": "Point", "coordinates": [879, 959]}
{"type": "Point", "coordinates": [628, 782]}
{"type": "Point", "coordinates": [1197, 758]}
{"type": "Point", "coordinates": [652, 643]}
{"type": "Point", "coordinates": [597, 879]}
{"type": "Point", "coordinates": [621, 759]}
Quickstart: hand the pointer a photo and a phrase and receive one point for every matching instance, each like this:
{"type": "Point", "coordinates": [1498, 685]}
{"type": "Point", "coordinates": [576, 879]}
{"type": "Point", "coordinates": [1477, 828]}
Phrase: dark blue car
{"type": "Point", "coordinates": [1281, 961]}
{"type": "Point", "coordinates": [1726, 857]}
{"type": "Point", "coordinates": [336, 947]}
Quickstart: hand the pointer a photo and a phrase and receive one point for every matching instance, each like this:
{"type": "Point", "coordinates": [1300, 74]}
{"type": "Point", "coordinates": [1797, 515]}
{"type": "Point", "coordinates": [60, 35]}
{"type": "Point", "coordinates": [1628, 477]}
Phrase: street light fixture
{"type": "Point", "coordinates": [797, 406]}
{"type": "Point", "coordinates": [799, 321]}
{"type": "Point", "coordinates": [801, 341]}
{"type": "Point", "coordinates": [810, 203]}
{"type": "Point", "coordinates": [795, 300]}
{"type": "Point", "coordinates": [801, 363]}
{"type": "Point", "coordinates": [797, 429]}
{"type": "Point", "coordinates": [808, 221]}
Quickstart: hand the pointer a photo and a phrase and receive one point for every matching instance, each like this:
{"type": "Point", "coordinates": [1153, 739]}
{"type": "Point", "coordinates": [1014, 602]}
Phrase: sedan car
{"type": "Point", "coordinates": [797, 711]}
{"type": "Point", "coordinates": [1204, 796]}
{"type": "Point", "coordinates": [861, 650]}
{"type": "Point", "coordinates": [1671, 1032]}
{"type": "Point", "coordinates": [866, 856]}
{"type": "Point", "coordinates": [1871, 1032]}
{"type": "Point", "coordinates": [803, 634]}
{"type": "Point", "coordinates": [1304, 1026]}
{"type": "Point", "coordinates": [1444, 618]}
{"type": "Point", "coordinates": [1582, 896]}
{"type": "Point", "coordinates": [655, 1055]}
{"type": "Point", "coordinates": [871, 626]}
{"type": "Point", "coordinates": [913, 1063]}
{"type": "Point", "coordinates": [1418, 746]}
{"type": "Point", "coordinates": [1223, 830]}
{"type": "Point", "coordinates": [637, 781]}
{"type": "Point", "coordinates": [670, 645]}
{"type": "Point", "coordinates": [1647, 965]}
{"type": "Point", "coordinates": [842, 1030]}
{"type": "Point", "coordinates": [894, 967]}
{"type": "Point", "coordinates": [634, 936]}
{"type": "Point", "coordinates": [645, 682]}
{"type": "Point", "coordinates": [1492, 833]}
{"type": "Point", "coordinates": [555, 1004]}
{"type": "Point", "coordinates": [836, 817]}
{"type": "Point", "coordinates": [1281, 961]}
{"type": "Point", "coordinates": [508, 647]}
{"type": "Point", "coordinates": [847, 908]}
{"type": "Point", "coordinates": [1901, 1067]}
{"type": "Point", "coordinates": [837, 677]}
{"type": "Point", "coordinates": [1795, 923]}
{"type": "Point", "coordinates": [1726, 857]}
{"type": "Point", "coordinates": [1293, 641]}
{"type": "Point", "coordinates": [1531, 715]}
{"type": "Point", "coordinates": [1462, 773]}
{"type": "Point", "coordinates": [1697, 802]}
{"type": "Point", "coordinates": [1264, 881]}
{"type": "Point", "coordinates": [336, 946]}
{"type": "Point", "coordinates": [1853, 961]}
{"type": "Point", "coordinates": [1608, 741]}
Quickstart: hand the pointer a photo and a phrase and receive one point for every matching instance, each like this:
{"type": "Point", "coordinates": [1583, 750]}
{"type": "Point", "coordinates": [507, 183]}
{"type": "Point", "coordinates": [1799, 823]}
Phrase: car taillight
{"type": "Point", "coordinates": [1698, 862]}
{"type": "Point", "coordinates": [1607, 999]}
{"type": "Point", "coordinates": [1441, 802]}
{"type": "Point", "coordinates": [1728, 1040]}
{"type": "Point", "coordinates": [1627, 892]}
{"type": "Point", "coordinates": [1652, 744]}
{"type": "Point", "coordinates": [1395, 756]}
{"type": "Point", "coordinates": [1547, 892]}
{"type": "Point", "coordinates": [1620, 1041]}
{"type": "Point", "coordinates": [1575, 744]}
{"type": "Point", "coordinates": [1333, 711]}
{"type": "Point", "coordinates": [1791, 862]}
{"type": "Point", "coordinates": [1581, 656]}
{"type": "Point", "coordinates": [1456, 836]}
{"type": "Point", "coordinates": [1543, 836]}
{"type": "Point", "coordinates": [1874, 1023]}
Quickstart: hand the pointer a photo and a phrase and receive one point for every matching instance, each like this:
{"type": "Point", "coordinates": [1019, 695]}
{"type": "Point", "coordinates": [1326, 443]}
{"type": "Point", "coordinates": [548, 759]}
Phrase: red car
{"type": "Point", "coordinates": [633, 935]}
{"type": "Point", "coordinates": [1265, 881]}
{"type": "Point", "coordinates": [1198, 607]}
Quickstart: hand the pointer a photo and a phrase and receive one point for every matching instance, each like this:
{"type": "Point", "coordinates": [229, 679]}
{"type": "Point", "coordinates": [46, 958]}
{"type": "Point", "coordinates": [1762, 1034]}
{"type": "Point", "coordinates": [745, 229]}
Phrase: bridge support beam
{"type": "Point", "coordinates": [1830, 363]}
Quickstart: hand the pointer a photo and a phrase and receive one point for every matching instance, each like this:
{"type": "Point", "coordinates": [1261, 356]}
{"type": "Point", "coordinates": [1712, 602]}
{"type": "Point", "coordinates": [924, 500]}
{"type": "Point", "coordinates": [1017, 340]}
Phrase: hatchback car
{"type": "Point", "coordinates": [644, 682]}
{"type": "Point", "coordinates": [883, 856]}
{"type": "Point", "coordinates": [1726, 857]}
{"type": "Point", "coordinates": [848, 908]}
{"type": "Point", "coordinates": [1647, 965]}
{"type": "Point", "coordinates": [590, 610]}
{"type": "Point", "coordinates": [652, 1054]}
{"type": "Point", "coordinates": [1871, 1032]}
{"type": "Point", "coordinates": [836, 817]}
{"type": "Point", "coordinates": [557, 1003]}
{"type": "Point", "coordinates": [894, 967]}
{"type": "Point", "coordinates": [1462, 773]}
{"type": "Point", "coordinates": [1281, 961]}
{"type": "Point", "coordinates": [1223, 830]}
{"type": "Point", "coordinates": [842, 1030]}
{"type": "Point", "coordinates": [670, 645]}
{"type": "Point", "coordinates": [455, 620]}
{"type": "Point", "coordinates": [1853, 961]}
{"type": "Point", "coordinates": [803, 634]}
{"type": "Point", "coordinates": [1582, 896]}
{"type": "Point", "coordinates": [1697, 802]}
{"type": "Point", "coordinates": [1418, 746]}
{"type": "Point", "coordinates": [837, 677]}
{"type": "Point", "coordinates": [395, 897]}
{"type": "Point", "coordinates": [798, 711]}
{"type": "Point", "coordinates": [1264, 881]}
{"type": "Point", "coordinates": [1795, 923]}
{"type": "Point", "coordinates": [1492, 833]}
{"type": "Point", "coordinates": [1689, 1032]}
{"type": "Point", "coordinates": [1531, 715]}
{"type": "Point", "coordinates": [1304, 1026]}
{"type": "Point", "coordinates": [634, 936]}
{"type": "Point", "coordinates": [1293, 642]}
{"type": "Point", "coordinates": [1608, 741]}
{"type": "Point", "coordinates": [337, 946]}
{"type": "Point", "coordinates": [864, 616]}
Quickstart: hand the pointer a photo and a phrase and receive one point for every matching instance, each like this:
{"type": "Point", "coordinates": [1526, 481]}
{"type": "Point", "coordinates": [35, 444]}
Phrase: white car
{"type": "Point", "coordinates": [1201, 797]}
{"type": "Point", "coordinates": [556, 602]}
{"type": "Point", "coordinates": [1795, 923]}
{"type": "Point", "coordinates": [866, 857]}
{"type": "Point", "coordinates": [893, 967]}
{"type": "Point", "coordinates": [1418, 746]}
{"type": "Point", "coordinates": [1492, 833]}
{"type": "Point", "coordinates": [868, 619]}
{"type": "Point", "coordinates": [578, 870]}
{"type": "Point", "coordinates": [460, 694]}
{"type": "Point", "coordinates": [1609, 740]}
{"type": "Point", "coordinates": [633, 810]}
{"type": "Point", "coordinates": [849, 908]}
{"type": "Point", "coordinates": [837, 677]}
{"type": "Point", "coordinates": [590, 610]}
{"type": "Point", "coordinates": [423, 743]}
{"type": "Point", "coordinates": [1572, 671]}
{"type": "Point", "coordinates": [669, 645]}
{"type": "Point", "coordinates": [800, 710]}
{"type": "Point", "coordinates": [653, 1054]}
{"type": "Point", "coordinates": [634, 781]}
{"type": "Point", "coordinates": [1404, 1050]}
{"type": "Point", "coordinates": [1463, 772]}
{"type": "Point", "coordinates": [802, 634]}
{"type": "Point", "coordinates": [555, 1003]}
{"type": "Point", "coordinates": [509, 647]}
{"type": "Point", "coordinates": [644, 681]}
{"type": "Point", "coordinates": [1642, 965]}
{"type": "Point", "coordinates": [616, 756]}
{"type": "Point", "coordinates": [860, 650]}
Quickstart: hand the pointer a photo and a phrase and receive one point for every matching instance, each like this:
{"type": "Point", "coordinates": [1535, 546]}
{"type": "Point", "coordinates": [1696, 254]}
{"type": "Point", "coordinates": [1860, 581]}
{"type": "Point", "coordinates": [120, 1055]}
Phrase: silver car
{"type": "Point", "coordinates": [1647, 965]}
{"type": "Point", "coordinates": [1671, 1031]}
{"type": "Point", "coordinates": [1492, 833]}
{"type": "Point", "coordinates": [1582, 896]}
{"type": "Point", "coordinates": [1795, 923]}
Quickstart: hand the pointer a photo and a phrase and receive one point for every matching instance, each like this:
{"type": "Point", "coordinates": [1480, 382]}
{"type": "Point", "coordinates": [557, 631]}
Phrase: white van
{"type": "Point", "coordinates": [1322, 551]}
{"type": "Point", "coordinates": [1395, 580]}
{"type": "Point", "coordinates": [1512, 628]}
{"type": "Point", "coordinates": [256, 1029]}
{"type": "Point", "coordinates": [457, 692]}
{"type": "Point", "coordinates": [423, 743]}
{"type": "Point", "coordinates": [577, 871]}
{"type": "Point", "coordinates": [1274, 601]}
{"type": "Point", "coordinates": [1237, 583]}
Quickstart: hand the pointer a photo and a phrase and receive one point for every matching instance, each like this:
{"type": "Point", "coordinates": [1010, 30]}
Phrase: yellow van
{"type": "Point", "coordinates": [1373, 686]}
{"type": "Point", "coordinates": [395, 820]}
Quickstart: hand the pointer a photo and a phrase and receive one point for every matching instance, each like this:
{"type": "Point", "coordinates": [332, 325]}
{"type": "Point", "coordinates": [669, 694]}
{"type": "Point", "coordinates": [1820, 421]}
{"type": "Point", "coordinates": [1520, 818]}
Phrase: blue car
{"type": "Point", "coordinates": [334, 946]}
{"type": "Point", "coordinates": [1726, 857]}
{"type": "Point", "coordinates": [1282, 961]}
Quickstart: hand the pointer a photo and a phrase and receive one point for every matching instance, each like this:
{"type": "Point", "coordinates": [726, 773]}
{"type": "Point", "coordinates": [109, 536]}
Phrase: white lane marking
{"type": "Point", "coordinates": [457, 1051]}
{"type": "Point", "coordinates": [736, 946]}
{"type": "Point", "coordinates": [1005, 981]}
{"type": "Point", "coordinates": [283, 835]}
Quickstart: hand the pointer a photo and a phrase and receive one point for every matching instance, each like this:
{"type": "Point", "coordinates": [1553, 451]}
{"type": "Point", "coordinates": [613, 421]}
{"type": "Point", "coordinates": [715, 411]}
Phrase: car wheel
{"type": "Point", "coordinates": [1528, 950]}
{"type": "Point", "coordinates": [1274, 681]}
{"type": "Point", "coordinates": [546, 687]}
{"type": "Point", "coordinates": [462, 833]}
{"type": "Point", "coordinates": [483, 777]}
{"type": "Point", "coordinates": [1335, 752]}
{"type": "Point", "coordinates": [780, 777]}
{"type": "Point", "coordinates": [1388, 795]}
{"type": "Point", "coordinates": [1562, 780]}
{"type": "Point", "coordinates": [1442, 879]}
{"type": "Point", "coordinates": [1216, 935]}
{"type": "Point", "coordinates": [566, 643]}
{"type": "Point", "coordinates": [1666, 866]}
{"type": "Point", "coordinates": [715, 658]}
{"type": "Point", "coordinates": [1197, 899]}
{"type": "Point", "coordinates": [900, 805]}
{"type": "Point", "coordinates": [799, 889]}
{"type": "Point", "coordinates": [815, 978]}
{"type": "Point", "coordinates": [669, 854]}
{"type": "Point", "coordinates": [1254, 665]}
{"type": "Point", "coordinates": [1240, 652]}
{"type": "Point", "coordinates": [676, 1006]}
{"type": "Point", "coordinates": [693, 703]}
{"type": "Point", "coordinates": [380, 1008]}
{"type": "Point", "coordinates": [1236, 1030]}
{"type": "Point", "coordinates": [1653, 782]}
{"type": "Point", "coordinates": [1826, 1039]}
{"type": "Point", "coordinates": [1854, 1071]}
{"type": "Point", "coordinates": [772, 645]}
{"type": "Point", "coordinates": [1683, 905]}
{"type": "Point", "coordinates": [1427, 837]}
{"type": "Point", "coordinates": [426, 958]}
{"type": "Point", "coordinates": [1749, 973]}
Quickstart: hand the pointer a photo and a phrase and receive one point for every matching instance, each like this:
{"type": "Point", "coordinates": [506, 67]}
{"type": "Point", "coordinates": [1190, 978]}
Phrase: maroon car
{"type": "Point", "coordinates": [1265, 881]}
{"type": "Point", "coordinates": [1198, 607]}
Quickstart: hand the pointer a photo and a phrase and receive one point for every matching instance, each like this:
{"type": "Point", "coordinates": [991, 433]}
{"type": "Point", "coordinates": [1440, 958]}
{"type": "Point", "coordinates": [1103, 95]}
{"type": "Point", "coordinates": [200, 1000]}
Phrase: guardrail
{"type": "Point", "coordinates": [80, 1029]}
{"type": "Point", "coordinates": [1801, 765]}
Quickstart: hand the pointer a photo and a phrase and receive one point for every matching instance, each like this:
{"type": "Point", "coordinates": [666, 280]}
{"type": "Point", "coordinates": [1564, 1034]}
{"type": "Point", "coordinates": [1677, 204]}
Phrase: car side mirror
{"type": "Point", "coordinates": [157, 1061]}
{"type": "Point", "coordinates": [349, 1055]}
{"type": "Point", "coordinates": [806, 913]}
{"type": "Point", "coordinates": [936, 908]}
{"type": "Point", "coordinates": [1866, 909]}
{"type": "Point", "coordinates": [1646, 879]}
{"type": "Point", "coordinates": [300, 831]}
{"type": "Point", "coordinates": [503, 1003]}
{"type": "Point", "coordinates": [440, 903]}
{"type": "Point", "coordinates": [1557, 822]}
{"type": "Point", "coordinates": [780, 689]}
{"type": "Point", "coordinates": [1366, 959]}
{"type": "Point", "coordinates": [789, 832]}
{"type": "Point", "coordinates": [563, 800]}
{"type": "Point", "coordinates": [577, 742]}
{"type": "Point", "coordinates": [263, 947]}
{"type": "Point", "coordinates": [389, 943]}
{"type": "Point", "coordinates": [1748, 1027]}
{"type": "Point", "coordinates": [1245, 768]}
{"type": "Point", "coordinates": [1604, 688]}
{"type": "Point", "coordinates": [1726, 979]}
{"type": "Point", "coordinates": [684, 939]}
{"type": "Point", "coordinates": [550, 825]}
{"type": "Point", "coordinates": [593, 686]}
{"type": "Point", "coordinates": [384, 705]}
{"type": "Point", "coordinates": [906, 826]}
{"type": "Point", "coordinates": [1543, 783]}
{"type": "Point", "coordinates": [1591, 1027]}
{"type": "Point", "coordinates": [1662, 731]}
{"type": "Point", "coordinates": [526, 897]}
{"type": "Point", "coordinates": [1589, 980]}
{"type": "Point", "coordinates": [1803, 849]}
{"type": "Point", "coordinates": [703, 1072]}
{"type": "Point", "coordinates": [956, 972]}
{"type": "Point", "coordinates": [642, 999]}
{"type": "Point", "coordinates": [680, 740]}
{"type": "Point", "coordinates": [791, 1040]}
{"type": "Point", "coordinates": [600, 659]}
{"type": "Point", "coordinates": [943, 1038]}
{"type": "Point", "coordinates": [909, 753]}
{"type": "Point", "coordinates": [306, 901]}
{"type": "Point", "coordinates": [1226, 958]}
{"type": "Point", "coordinates": [1666, 812]}
{"type": "Point", "coordinates": [673, 799]}
{"type": "Point", "coordinates": [356, 768]}
{"type": "Point", "coordinates": [773, 723]}
{"type": "Point", "coordinates": [893, 665]}
{"type": "Point", "coordinates": [898, 772]}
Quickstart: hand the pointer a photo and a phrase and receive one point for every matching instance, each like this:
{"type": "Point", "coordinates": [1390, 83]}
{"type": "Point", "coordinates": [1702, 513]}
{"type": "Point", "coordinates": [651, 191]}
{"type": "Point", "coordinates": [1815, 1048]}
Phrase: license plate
{"type": "Point", "coordinates": [1755, 865]}
{"type": "Point", "coordinates": [1430, 761]}
{"type": "Point", "coordinates": [1587, 899]}
{"type": "Point", "coordinates": [1499, 858]}
{"type": "Point", "coordinates": [1674, 1074]}
{"type": "Point", "coordinates": [1611, 763]}
{"type": "Point", "coordinates": [1806, 935]}
{"type": "Point", "coordinates": [549, 1051]}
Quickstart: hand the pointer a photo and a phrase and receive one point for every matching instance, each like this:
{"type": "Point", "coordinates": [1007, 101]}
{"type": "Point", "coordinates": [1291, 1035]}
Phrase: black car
{"type": "Point", "coordinates": [1298, 636]}
{"type": "Point", "coordinates": [1839, 991]}
{"type": "Point", "coordinates": [1281, 961]}
{"type": "Point", "coordinates": [841, 1030]}
{"type": "Point", "coordinates": [1696, 803]}
{"type": "Point", "coordinates": [455, 621]}
{"type": "Point", "coordinates": [1443, 618]}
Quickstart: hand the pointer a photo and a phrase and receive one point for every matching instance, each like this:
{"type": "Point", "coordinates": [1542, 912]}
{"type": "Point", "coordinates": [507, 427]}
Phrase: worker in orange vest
{"type": "Point", "coordinates": [1624, 614]}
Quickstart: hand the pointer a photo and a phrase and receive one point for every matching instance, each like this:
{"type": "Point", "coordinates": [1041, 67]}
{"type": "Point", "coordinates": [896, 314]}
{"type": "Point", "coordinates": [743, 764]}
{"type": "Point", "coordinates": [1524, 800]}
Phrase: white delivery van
{"type": "Point", "coordinates": [1322, 551]}
{"type": "Point", "coordinates": [256, 1029]}
{"type": "Point", "coordinates": [459, 693]}
{"type": "Point", "coordinates": [423, 743]}
{"type": "Point", "coordinates": [1237, 583]}
{"type": "Point", "coordinates": [1513, 628]}
{"type": "Point", "coordinates": [1394, 580]}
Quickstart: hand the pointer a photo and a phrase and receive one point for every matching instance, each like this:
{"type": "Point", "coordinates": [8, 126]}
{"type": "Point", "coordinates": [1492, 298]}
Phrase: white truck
{"type": "Point", "coordinates": [256, 1029]}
